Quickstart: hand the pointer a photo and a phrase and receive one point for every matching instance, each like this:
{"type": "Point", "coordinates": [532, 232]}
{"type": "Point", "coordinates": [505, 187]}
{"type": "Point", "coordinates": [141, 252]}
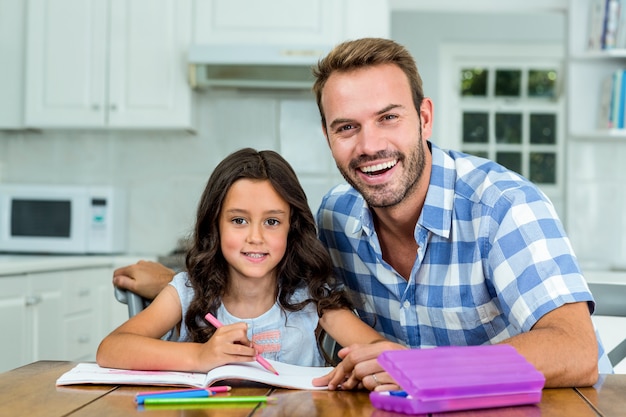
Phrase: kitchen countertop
{"type": "Point", "coordinates": [21, 264]}
{"type": "Point", "coordinates": [605, 277]}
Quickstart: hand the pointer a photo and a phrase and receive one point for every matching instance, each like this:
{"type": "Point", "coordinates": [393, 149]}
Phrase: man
{"type": "Point", "coordinates": [438, 247]}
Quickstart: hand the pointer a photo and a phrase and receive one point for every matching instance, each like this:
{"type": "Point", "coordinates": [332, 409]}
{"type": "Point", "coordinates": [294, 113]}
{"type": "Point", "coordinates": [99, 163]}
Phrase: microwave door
{"type": "Point", "coordinates": [47, 224]}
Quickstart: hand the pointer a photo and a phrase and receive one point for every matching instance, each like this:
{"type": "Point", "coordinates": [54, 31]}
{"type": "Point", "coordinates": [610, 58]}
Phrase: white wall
{"type": "Point", "coordinates": [165, 172]}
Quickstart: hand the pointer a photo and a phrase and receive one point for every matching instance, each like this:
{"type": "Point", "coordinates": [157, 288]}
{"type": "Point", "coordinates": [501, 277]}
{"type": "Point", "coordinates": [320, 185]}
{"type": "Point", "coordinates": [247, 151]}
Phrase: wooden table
{"type": "Point", "coordinates": [31, 391]}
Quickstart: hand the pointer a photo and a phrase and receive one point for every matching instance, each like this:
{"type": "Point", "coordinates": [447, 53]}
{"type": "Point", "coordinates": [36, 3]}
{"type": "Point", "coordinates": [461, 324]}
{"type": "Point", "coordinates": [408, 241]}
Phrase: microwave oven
{"type": "Point", "coordinates": [62, 219]}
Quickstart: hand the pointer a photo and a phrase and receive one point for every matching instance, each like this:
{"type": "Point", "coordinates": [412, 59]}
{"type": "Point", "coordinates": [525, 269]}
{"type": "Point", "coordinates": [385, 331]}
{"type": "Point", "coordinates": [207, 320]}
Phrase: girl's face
{"type": "Point", "coordinates": [254, 224]}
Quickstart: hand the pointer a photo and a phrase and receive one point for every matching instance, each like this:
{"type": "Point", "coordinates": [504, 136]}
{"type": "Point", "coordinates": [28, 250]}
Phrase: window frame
{"type": "Point", "coordinates": [456, 56]}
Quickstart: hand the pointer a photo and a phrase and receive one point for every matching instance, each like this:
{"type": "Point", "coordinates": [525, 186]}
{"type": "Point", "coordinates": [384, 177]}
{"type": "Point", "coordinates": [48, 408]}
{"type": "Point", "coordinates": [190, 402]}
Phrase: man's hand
{"type": "Point", "coordinates": [360, 368]}
{"type": "Point", "coordinates": [145, 278]}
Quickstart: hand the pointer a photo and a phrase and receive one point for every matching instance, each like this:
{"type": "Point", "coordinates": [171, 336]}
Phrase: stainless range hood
{"type": "Point", "coordinates": [253, 66]}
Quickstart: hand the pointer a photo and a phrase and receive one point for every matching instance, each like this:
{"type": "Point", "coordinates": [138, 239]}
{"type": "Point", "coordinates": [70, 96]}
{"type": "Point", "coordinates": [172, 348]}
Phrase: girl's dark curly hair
{"type": "Point", "coordinates": [306, 262]}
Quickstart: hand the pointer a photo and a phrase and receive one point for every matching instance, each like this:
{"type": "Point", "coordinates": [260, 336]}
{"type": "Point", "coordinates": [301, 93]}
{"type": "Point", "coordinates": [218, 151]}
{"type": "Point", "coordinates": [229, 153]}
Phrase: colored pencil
{"type": "Point", "coordinates": [215, 390]}
{"type": "Point", "coordinates": [208, 400]}
{"type": "Point", "coordinates": [200, 393]}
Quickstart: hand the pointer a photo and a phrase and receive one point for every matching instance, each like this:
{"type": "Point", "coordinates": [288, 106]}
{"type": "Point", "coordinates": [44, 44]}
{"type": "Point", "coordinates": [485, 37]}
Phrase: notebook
{"type": "Point", "coordinates": [290, 376]}
{"type": "Point", "coordinates": [458, 378]}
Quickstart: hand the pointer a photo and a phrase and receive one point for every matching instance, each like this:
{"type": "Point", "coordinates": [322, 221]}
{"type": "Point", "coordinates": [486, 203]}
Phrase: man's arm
{"type": "Point", "coordinates": [563, 346]}
{"type": "Point", "coordinates": [145, 278]}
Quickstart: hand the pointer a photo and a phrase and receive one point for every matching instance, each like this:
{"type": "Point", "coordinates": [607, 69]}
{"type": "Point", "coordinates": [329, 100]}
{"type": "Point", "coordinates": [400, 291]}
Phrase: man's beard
{"type": "Point", "coordinates": [382, 195]}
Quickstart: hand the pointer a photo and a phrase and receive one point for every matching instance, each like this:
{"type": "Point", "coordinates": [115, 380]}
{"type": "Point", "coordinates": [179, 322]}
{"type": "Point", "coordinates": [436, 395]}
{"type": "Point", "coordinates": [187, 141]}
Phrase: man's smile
{"type": "Point", "coordinates": [378, 168]}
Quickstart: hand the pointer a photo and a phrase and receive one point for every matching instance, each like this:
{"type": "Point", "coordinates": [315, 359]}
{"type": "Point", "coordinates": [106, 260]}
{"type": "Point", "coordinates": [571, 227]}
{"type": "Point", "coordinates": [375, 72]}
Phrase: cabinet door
{"type": "Point", "coordinates": [81, 321]}
{"type": "Point", "coordinates": [367, 18]}
{"type": "Point", "coordinates": [12, 63]}
{"type": "Point", "coordinates": [283, 22]}
{"type": "Point", "coordinates": [148, 63]}
{"type": "Point", "coordinates": [65, 55]}
{"type": "Point", "coordinates": [13, 322]}
{"type": "Point", "coordinates": [109, 313]}
{"type": "Point", "coordinates": [46, 311]}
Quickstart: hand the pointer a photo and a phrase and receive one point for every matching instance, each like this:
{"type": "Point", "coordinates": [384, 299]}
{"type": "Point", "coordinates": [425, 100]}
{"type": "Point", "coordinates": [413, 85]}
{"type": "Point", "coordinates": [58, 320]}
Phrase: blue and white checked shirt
{"type": "Point", "coordinates": [493, 258]}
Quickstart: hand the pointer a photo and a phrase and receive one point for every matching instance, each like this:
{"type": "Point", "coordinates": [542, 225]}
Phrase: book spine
{"type": "Point", "coordinates": [615, 101]}
{"type": "Point", "coordinates": [605, 19]}
{"type": "Point", "coordinates": [622, 101]}
{"type": "Point", "coordinates": [620, 37]}
{"type": "Point", "coordinates": [596, 23]}
{"type": "Point", "coordinates": [612, 22]}
{"type": "Point", "coordinates": [606, 94]}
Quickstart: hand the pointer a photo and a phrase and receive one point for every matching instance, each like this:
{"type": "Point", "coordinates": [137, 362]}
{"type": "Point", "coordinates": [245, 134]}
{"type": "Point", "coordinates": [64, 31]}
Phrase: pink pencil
{"type": "Point", "coordinates": [260, 359]}
{"type": "Point", "coordinates": [215, 390]}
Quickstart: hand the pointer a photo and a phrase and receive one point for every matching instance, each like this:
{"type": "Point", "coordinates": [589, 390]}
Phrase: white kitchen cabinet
{"type": "Point", "coordinates": [80, 330]}
{"type": "Point", "coordinates": [44, 305]}
{"type": "Point", "coordinates": [288, 22]}
{"type": "Point", "coordinates": [108, 312]}
{"type": "Point", "coordinates": [108, 63]}
{"type": "Point", "coordinates": [56, 315]}
{"type": "Point", "coordinates": [12, 64]}
{"type": "Point", "coordinates": [31, 310]}
{"type": "Point", "coordinates": [13, 322]}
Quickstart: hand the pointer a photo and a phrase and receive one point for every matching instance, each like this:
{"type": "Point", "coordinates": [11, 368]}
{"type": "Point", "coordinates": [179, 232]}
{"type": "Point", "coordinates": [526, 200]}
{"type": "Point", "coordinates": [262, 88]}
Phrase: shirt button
{"type": "Point", "coordinates": [407, 304]}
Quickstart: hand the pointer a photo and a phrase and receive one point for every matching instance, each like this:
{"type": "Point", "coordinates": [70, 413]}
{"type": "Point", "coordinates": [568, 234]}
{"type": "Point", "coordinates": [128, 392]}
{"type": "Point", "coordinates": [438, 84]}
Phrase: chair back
{"type": "Point", "coordinates": [135, 302]}
{"type": "Point", "coordinates": [611, 301]}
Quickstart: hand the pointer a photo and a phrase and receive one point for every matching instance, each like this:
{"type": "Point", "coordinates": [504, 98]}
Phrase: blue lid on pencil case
{"type": "Point", "coordinates": [458, 378]}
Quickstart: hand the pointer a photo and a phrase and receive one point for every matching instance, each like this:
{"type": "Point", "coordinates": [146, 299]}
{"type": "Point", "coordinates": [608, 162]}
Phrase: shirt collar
{"type": "Point", "coordinates": [436, 214]}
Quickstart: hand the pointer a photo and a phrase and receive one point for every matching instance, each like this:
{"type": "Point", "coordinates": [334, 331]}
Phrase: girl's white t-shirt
{"type": "Point", "coordinates": [279, 335]}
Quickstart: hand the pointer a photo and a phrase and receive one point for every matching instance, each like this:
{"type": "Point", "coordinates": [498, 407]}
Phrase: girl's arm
{"type": "Point", "coordinates": [347, 328]}
{"type": "Point", "coordinates": [136, 344]}
{"type": "Point", "coordinates": [352, 333]}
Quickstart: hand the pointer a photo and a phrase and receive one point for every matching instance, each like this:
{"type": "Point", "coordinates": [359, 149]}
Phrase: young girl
{"type": "Point", "coordinates": [256, 264]}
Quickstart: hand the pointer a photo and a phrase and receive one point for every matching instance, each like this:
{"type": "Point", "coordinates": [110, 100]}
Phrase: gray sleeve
{"type": "Point", "coordinates": [181, 284]}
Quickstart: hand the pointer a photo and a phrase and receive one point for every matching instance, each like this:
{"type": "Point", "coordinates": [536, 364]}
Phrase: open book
{"type": "Point", "coordinates": [290, 376]}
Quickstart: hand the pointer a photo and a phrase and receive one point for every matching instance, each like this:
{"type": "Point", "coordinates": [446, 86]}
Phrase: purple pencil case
{"type": "Point", "coordinates": [458, 378]}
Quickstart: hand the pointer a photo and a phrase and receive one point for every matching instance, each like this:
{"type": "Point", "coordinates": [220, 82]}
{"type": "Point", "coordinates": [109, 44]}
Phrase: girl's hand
{"type": "Point", "coordinates": [228, 344]}
{"type": "Point", "coordinates": [333, 379]}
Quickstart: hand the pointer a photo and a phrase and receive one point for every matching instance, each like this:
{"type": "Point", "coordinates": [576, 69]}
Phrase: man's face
{"type": "Point", "coordinates": [376, 136]}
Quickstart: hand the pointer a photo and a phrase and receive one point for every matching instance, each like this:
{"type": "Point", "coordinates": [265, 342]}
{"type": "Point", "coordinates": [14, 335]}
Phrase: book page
{"type": "Point", "coordinates": [289, 376]}
{"type": "Point", "coordinates": [91, 373]}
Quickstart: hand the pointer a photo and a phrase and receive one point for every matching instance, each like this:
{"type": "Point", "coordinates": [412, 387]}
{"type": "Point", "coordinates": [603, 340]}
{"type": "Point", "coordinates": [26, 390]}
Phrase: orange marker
{"type": "Point", "coordinates": [260, 359]}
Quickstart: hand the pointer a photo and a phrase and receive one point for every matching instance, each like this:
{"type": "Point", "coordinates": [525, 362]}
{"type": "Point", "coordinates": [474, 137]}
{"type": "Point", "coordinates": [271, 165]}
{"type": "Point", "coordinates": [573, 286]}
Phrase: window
{"type": "Point", "coordinates": [510, 115]}
{"type": "Point", "coordinates": [507, 106]}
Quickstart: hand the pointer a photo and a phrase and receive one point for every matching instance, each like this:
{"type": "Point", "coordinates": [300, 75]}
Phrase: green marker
{"type": "Point", "coordinates": [207, 400]}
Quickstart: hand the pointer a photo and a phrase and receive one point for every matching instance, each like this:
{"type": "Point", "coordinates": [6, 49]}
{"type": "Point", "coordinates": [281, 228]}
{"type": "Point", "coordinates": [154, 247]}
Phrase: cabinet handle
{"type": "Point", "coordinates": [84, 292]}
{"type": "Point", "coordinates": [95, 107]}
{"type": "Point", "coordinates": [83, 339]}
{"type": "Point", "coordinates": [113, 107]}
{"type": "Point", "coordinates": [32, 300]}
